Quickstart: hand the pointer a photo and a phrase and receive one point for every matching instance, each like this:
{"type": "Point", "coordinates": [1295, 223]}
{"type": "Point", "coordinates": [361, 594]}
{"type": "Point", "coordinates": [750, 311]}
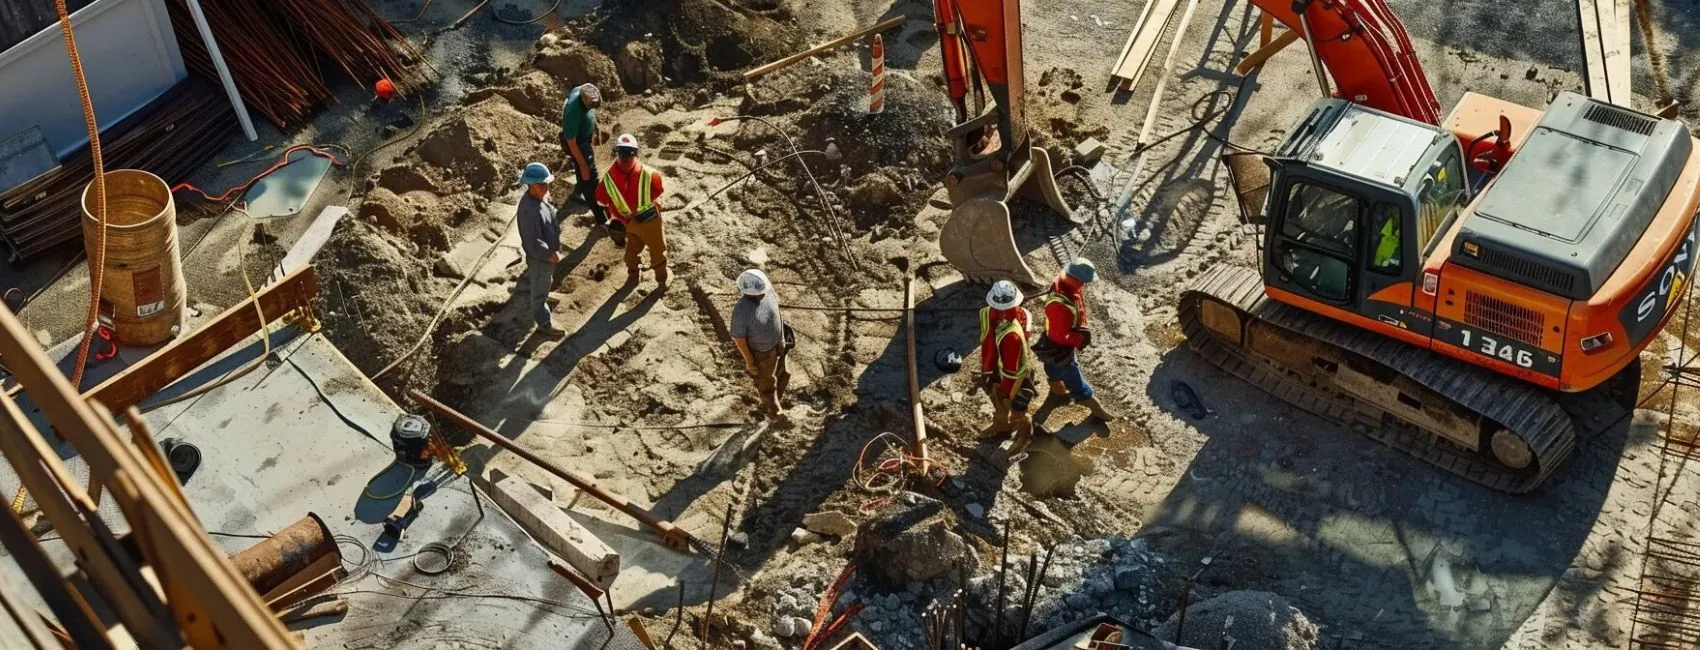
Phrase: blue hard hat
{"type": "Point", "coordinates": [535, 173]}
{"type": "Point", "coordinates": [1082, 269]}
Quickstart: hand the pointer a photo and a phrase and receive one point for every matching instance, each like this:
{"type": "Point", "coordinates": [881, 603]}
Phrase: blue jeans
{"type": "Point", "coordinates": [1069, 375]}
{"type": "Point", "coordinates": [539, 279]}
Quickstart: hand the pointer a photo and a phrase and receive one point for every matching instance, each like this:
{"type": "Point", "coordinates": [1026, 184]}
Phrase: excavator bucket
{"type": "Point", "coordinates": [977, 238]}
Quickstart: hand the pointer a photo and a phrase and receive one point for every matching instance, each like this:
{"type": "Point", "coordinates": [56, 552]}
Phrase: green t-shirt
{"type": "Point", "coordinates": [577, 121]}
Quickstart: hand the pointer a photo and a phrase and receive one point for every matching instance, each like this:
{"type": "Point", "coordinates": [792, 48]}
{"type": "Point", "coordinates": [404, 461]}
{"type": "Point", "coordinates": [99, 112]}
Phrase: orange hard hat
{"type": "Point", "coordinates": [385, 89]}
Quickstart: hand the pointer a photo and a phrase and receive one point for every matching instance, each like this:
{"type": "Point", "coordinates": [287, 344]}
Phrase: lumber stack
{"type": "Point", "coordinates": [1142, 43]}
{"type": "Point", "coordinates": [276, 50]}
{"type": "Point", "coordinates": [169, 137]}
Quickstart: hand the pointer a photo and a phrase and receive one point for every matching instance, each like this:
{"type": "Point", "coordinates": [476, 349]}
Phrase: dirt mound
{"type": "Point", "coordinates": [908, 133]}
{"type": "Point", "coordinates": [1250, 620]}
{"type": "Point", "coordinates": [423, 217]}
{"type": "Point", "coordinates": [639, 64]}
{"type": "Point", "coordinates": [379, 298]}
{"type": "Point", "coordinates": [575, 63]}
{"type": "Point", "coordinates": [487, 143]}
{"type": "Point", "coordinates": [538, 93]}
{"type": "Point", "coordinates": [701, 39]}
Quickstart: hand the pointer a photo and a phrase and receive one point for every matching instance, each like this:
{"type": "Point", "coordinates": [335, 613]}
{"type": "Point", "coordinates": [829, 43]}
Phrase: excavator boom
{"type": "Point", "coordinates": [1366, 50]}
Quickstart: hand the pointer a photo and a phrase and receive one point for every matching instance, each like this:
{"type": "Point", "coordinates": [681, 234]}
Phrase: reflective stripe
{"type": "Point", "coordinates": [646, 181]}
{"type": "Point", "coordinates": [1005, 328]}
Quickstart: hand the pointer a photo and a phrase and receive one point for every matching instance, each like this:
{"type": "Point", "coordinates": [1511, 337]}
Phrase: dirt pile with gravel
{"type": "Point", "coordinates": [1248, 620]}
{"type": "Point", "coordinates": [700, 40]}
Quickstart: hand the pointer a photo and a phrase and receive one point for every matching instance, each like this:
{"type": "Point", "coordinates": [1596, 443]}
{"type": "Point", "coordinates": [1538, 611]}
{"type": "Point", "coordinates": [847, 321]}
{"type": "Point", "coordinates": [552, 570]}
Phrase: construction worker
{"type": "Point", "coordinates": [1066, 334]}
{"type": "Point", "coordinates": [578, 140]}
{"type": "Point", "coordinates": [759, 332]}
{"type": "Point", "coordinates": [1003, 364]}
{"type": "Point", "coordinates": [629, 192]}
{"type": "Point", "coordinates": [540, 236]}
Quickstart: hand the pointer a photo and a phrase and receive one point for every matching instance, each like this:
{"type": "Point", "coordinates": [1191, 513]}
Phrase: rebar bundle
{"type": "Point", "coordinates": [277, 51]}
{"type": "Point", "coordinates": [169, 137]}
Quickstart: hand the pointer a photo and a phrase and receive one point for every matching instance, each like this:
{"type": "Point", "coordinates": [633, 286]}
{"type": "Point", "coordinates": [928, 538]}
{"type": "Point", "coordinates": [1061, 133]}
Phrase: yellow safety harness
{"type": "Point", "coordinates": [618, 201]}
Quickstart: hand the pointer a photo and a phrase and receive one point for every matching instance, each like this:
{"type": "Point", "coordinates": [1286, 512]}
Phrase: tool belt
{"type": "Point", "coordinates": [1051, 352]}
{"type": "Point", "coordinates": [1023, 397]}
{"type": "Point", "coordinates": [646, 216]}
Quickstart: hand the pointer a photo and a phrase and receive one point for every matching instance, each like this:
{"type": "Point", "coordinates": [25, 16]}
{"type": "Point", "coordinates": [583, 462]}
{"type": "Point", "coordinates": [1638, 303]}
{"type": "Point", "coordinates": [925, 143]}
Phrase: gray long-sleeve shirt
{"type": "Point", "coordinates": [539, 233]}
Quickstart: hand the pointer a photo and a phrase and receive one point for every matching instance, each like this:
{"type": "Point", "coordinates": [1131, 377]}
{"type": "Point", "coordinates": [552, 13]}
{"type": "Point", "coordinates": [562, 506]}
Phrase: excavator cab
{"type": "Point", "coordinates": [1351, 205]}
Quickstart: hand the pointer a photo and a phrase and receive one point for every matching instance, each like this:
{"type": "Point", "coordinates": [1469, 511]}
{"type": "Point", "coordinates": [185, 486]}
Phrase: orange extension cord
{"type": "Point", "coordinates": [97, 262]}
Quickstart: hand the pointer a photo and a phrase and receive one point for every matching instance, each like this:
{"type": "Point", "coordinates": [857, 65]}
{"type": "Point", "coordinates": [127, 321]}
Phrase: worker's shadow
{"type": "Point", "coordinates": [846, 449]}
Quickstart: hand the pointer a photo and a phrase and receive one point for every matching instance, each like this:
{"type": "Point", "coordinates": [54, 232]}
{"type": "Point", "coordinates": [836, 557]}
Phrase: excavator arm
{"type": "Point", "coordinates": [1366, 50]}
{"type": "Point", "coordinates": [993, 157]}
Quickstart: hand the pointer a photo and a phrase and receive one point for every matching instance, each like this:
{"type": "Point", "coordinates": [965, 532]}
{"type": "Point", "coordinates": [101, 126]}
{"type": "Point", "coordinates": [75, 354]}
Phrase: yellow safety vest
{"type": "Point", "coordinates": [1073, 310]}
{"type": "Point", "coordinates": [618, 202]}
{"type": "Point", "coordinates": [1005, 328]}
{"type": "Point", "coordinates": [1388, 247]}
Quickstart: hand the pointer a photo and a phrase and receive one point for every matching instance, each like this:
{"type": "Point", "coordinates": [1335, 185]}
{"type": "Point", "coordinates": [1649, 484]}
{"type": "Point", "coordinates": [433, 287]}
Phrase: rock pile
{"type": "Point", "coordinates": [1247, 620]}
{"type": "Point", "coordinates": [909, 541]}
{"type": "Point", "coordinates": [1115, 576]}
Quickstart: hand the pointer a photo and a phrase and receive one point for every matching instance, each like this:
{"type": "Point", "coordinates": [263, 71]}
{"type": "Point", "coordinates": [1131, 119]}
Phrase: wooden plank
{"type": "Point", "coordinates": [1147, 35]}
{"type": "Point", "coordinates": [1144, 14]}
{"type": "Point", "coordinates": [1605, 26]}
{"type": "Point", "coordinates": [187, 353]}
{"type": "Point", "coordinates": [301, 254]}
{"type": "Point", "coordinates": [764, 70]}
{"type": "Point", "coordinates": [1262, 54]}
{"type": "Point", "coordinates": [919, 449]}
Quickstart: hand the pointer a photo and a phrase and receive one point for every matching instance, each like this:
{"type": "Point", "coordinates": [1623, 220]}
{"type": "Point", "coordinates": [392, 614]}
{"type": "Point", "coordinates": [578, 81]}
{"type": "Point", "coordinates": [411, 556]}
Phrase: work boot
{"type": "Point", "coordinates": [1023, 437]}
{"type": "Point", "coordinates": [996, 429]}
{"type": "Point", "coordinates": [661, 278]}
{"type": "Point", "coordinates": [1058, 397]}
{"type": "Point", "coordinates": [551, 332]}
{"type": "Point", "coordinates": [631, 279]}
{"type": "Point", "coordinates": [1098, 410]}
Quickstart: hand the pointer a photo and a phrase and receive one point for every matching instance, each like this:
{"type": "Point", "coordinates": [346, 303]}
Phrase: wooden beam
{"type": "Point", "coordinates": [180, 357]}
{"type": "Point", "coordinates": [301, 254]}
{"type": "Point", "coordinates": [1142, 43]}
{"type": "Point", "coordinates": [919, 449]}
{"type": "Point", "coordinates": [672, 535]}
{"type": "Point", "coordinates": [1605, 26]}
{"type": "Point", "coordinates": [1257, 57]}
{"type": "Point", "coordinates": [764, 70]}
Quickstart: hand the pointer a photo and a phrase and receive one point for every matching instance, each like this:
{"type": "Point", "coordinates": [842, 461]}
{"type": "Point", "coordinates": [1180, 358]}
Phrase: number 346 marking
{"type": "Point", "coordinates": [1492, 347]}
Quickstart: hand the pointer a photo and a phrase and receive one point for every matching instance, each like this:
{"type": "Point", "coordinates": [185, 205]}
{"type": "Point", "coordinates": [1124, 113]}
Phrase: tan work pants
{"type": "Point", "coordinates": [1005, 417]}
{"type": "Point", "coordinates": [646, 235]}
{"type": "Point", "coordinates": [771, 377]}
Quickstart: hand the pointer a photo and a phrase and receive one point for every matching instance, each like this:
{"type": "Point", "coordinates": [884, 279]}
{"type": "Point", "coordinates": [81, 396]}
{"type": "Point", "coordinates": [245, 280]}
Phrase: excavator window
{"type": "Point", "coordinates": [1443, 193]}
{"type": "Point", "coordinates": [1319, 240]}
{"type": "Point", "coordinates": [1387, 258]}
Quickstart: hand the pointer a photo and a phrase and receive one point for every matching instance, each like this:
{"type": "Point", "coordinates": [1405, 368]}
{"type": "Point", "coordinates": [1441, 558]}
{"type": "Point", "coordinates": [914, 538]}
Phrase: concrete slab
{"type": "Point", "coordinates": [556, 531]}
{"type": "Point", "coordinates": [308, 434]}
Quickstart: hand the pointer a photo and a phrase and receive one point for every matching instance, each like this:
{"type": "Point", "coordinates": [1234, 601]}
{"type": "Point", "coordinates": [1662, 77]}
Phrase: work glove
{"type": "Point", "coordinates": [750, 367]}
{"type": "Point", "coordinates": [1085, 336]}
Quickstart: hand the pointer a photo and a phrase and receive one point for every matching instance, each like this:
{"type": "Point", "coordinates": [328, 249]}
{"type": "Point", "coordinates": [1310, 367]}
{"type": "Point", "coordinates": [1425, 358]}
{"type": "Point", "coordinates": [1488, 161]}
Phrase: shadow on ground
{"type": "Point", "coordinates": [1361, 537]}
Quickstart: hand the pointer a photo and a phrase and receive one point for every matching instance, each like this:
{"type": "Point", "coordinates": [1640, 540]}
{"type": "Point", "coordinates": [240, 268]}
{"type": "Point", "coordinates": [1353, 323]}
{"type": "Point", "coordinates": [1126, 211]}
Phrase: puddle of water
{"type": "Point", "coordinates": [1051, 468]}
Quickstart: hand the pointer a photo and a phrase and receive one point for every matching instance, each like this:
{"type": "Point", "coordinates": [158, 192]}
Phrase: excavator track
{"type": "Point", "coordinates": [1503, 407]}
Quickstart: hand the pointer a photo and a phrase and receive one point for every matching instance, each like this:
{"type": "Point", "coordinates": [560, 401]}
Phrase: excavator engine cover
{"type": "Point", "coordinates": [977, 238]}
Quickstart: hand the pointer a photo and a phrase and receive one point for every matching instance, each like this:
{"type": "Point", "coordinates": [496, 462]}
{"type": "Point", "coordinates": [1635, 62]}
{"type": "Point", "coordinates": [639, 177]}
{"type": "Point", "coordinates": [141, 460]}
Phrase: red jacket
{"type": "Point", "coordinates": [1060, 321]}
{"type": "Point", "coordinates": [626, 181]}
{"type": "Point", "coordinates": [1009, 354]}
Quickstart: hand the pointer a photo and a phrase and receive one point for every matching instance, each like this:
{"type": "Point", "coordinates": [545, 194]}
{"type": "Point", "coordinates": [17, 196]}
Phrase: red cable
{"type": "Point", "coordinates": [239, 189]}
{"type": "Point", "coordinates": [825, 606]}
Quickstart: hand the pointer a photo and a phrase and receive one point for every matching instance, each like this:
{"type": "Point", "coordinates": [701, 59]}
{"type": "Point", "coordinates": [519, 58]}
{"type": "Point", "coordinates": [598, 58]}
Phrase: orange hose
{"type": "Point", "coordinates": [97, 262]}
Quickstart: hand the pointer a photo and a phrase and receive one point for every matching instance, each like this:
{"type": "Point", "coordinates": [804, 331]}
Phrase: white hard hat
{"type": "Point", "coordinates": [590, 92]}
{"type": "Point", "coordinates": [626, 140]}
{"type": "Point", "coordinates": [1004, 295]}
{"type": "Point", "coordinates": [753, 283]}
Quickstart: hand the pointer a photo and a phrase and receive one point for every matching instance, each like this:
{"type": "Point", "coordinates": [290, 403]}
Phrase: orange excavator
{"type": "Point", "coordinates": [1449, 285]}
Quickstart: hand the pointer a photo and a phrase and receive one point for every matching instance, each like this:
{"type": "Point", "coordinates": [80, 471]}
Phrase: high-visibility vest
{"type": "Point", "coordinates": [1388, 247]}
{"type": "Point", "coordinates": [1005, 328]}
{"type": "Point", "coordinates": [1073, 309]}
{"type": "Point", "coordinates": [618, 201]}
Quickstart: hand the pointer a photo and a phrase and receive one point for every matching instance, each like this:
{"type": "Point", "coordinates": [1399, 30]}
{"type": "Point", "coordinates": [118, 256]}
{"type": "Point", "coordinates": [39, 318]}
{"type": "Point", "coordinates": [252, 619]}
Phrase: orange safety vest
{"type": "Point", "coordinates": [618, 202]}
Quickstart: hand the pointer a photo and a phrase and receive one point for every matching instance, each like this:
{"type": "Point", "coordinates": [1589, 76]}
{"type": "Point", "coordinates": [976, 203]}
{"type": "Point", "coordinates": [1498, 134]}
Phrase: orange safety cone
{"type": "Point", "coordinates": [876, 90]}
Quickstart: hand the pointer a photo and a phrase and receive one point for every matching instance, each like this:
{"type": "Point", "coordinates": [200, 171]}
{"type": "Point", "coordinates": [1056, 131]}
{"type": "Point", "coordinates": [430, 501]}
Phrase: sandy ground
{"type": "Point", "coordinates": [647, 395]}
